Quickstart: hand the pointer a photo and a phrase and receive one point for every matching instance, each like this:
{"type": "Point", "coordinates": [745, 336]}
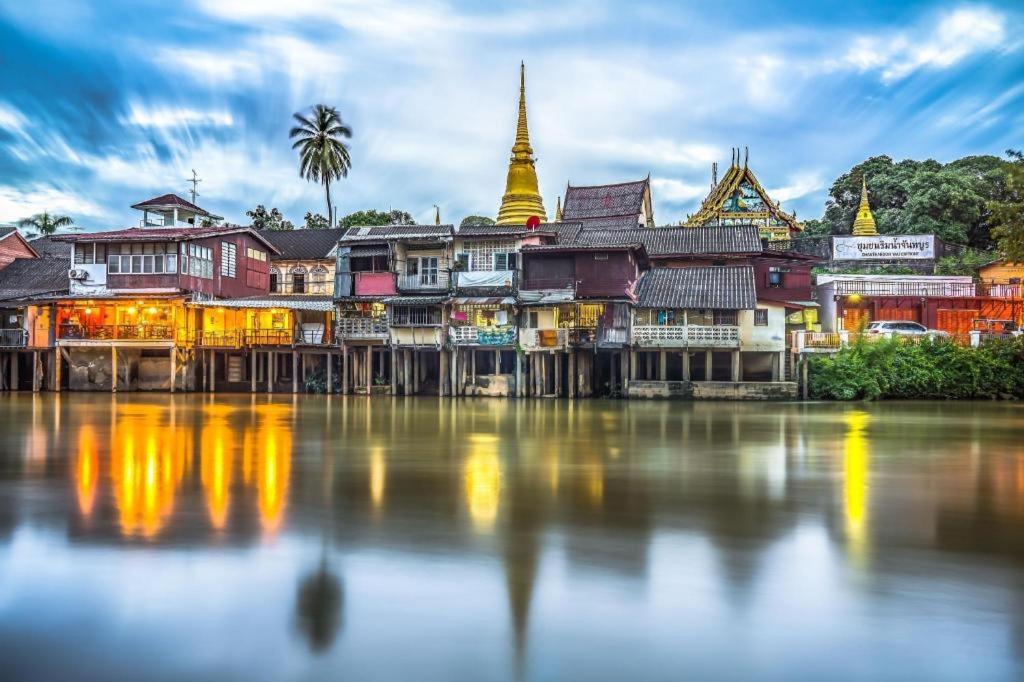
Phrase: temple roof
{"type": "Point", "coordinates": [715, 287]}
{"type": "Point", "coordinates": [678, 241]}
{"type": "Point", "coordinates": [730, 190]}
{"type": "Point", "coordinates": [625, 199]}
{"type": "Point", "coordinates": [304, 244]}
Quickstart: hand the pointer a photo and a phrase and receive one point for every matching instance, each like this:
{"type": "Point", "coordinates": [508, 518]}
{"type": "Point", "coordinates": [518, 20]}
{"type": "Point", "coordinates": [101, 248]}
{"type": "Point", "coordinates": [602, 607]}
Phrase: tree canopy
{"type": "Point", "coordinates": [315, 221]}
{"type": "Point", "coordinates": [323, 154]}
{"type": "Point", "coordinates": [1008, 214]}
{"type": "Point", "coordinates": [262, 219]}
{"type": "Point", "coordinates": [45, 223]}
{"type": "Point", "coordinates": [374, 217]}
{"type": "Point", "coordinates": [475, 220]}
{"type": "Point", "coordinates": [953, 201]}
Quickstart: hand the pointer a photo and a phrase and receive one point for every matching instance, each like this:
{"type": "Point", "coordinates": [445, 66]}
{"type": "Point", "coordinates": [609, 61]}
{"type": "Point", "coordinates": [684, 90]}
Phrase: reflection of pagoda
{"type": "Point", "coordinates": [739, 199]}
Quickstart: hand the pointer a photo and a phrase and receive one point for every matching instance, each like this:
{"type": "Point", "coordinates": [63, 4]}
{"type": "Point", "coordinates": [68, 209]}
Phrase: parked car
{"type": "Point", "coordinates": [903, 328]}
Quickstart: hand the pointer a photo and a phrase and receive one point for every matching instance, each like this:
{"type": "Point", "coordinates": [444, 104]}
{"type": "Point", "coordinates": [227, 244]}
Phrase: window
{"type": "Point", "coordinates": [275, 280]}
{"type": "Point", "coordinates": [89, 254]}
{"type": "Point", "coordinates": [423, 268]}
{"type": "Point", "coordinates": [298, 274]}
{"type": "Point", "coordinates": [462, 261]}
{"type": "Point", "coordinates": [534, 320]}
{"type": "Point", "coordinates": [138, 259]}
{"type": "Point", "coordinates": [256, 254]}
{"type": "Point", "coordinates": [708, 318]}
{"type": "Point", "coordinates": [228, 255]}
{"type": "Point", "coordinates": [600, 256]}
{"type": "Point", "coordinates": [775, 278]}
{"type": "Point", "coordinates": [505, 261]}
{"type": "Point", "coordinates": [761, 317]}
{"type": "Point", "coordinates": [197, 260]}
{"type": "Point", "coordinates": [416, 315]}
{"type": "Point", "coordinates": [725, 318]}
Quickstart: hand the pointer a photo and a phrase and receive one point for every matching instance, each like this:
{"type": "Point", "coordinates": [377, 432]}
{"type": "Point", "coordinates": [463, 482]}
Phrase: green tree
{"type": "Point", "coordinates": [1008, 212]}
{"type": "Point", "coordinates": [45, 223]}
{"type": "Point", "coordinates": [475, 220]}
{"type": "Point", "coordinates": [323, 154]}
{"type": "Point", "coordinates": [262, 219]}
{"type": "Point", "coordinates": [373, 217]}
{"type": "Point", "coordinates": [315, 221]}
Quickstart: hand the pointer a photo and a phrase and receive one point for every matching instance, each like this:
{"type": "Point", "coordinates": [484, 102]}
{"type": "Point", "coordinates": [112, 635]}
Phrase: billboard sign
{"type": "Point", "coordinates": [884, 247]}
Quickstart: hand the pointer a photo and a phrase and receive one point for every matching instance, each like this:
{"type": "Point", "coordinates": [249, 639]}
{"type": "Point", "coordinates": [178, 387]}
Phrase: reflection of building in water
{"type": "Point", "coordinates": [378, 475]}
{"type": "Point", "coordinates": [855, 482]}
{"type": "Point", "coordinates": [482, 480]}
{"type": "Point", "coordinates": [273, 470]}
{"type": "Point", "coordinates": [87, 467]}
{"type": "Point", "coordinates": [216, 470]}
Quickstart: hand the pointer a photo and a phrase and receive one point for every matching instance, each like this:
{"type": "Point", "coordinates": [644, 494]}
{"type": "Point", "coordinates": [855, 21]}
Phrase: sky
{"type": "Point", "coordinates": [106, 104]}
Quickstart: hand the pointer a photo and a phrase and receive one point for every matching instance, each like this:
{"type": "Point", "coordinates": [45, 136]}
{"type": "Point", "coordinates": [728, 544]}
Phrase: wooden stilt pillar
{"type": "Point", "coordinates": [58, 368]}
{"type": "Point", "coordinates": [556, 359]}
{"type": "Point", "coordinates": [329, 359]}
{"type": "Point", "coordinates": [519, 374]}
{"type": "Point", "coordinates": [442, 373]}
{"type": "Point", "coordinates": [174, 368]}
{"type": "Point", "coordinates": [708, 365]}
{"type": "Point", "coordinates": [35, 371]}
{"type": "Point", "coordinates": [394, 373]}
{"type": "Point", "coordinates": [803, 378]}
{"type": "Point", "coordinates": [662, 366]}
{"type": "Point", "coordinates": [295, 372]}
{"type": "Point", "coordinates": [344, 370]}
{"type": "Point", "coordinates": [271, 370]}
{"type": "Point", "coordinates": [472, 365]}
{"type": "Point", "coordinates": [113, 369]}
{"type": "Point", "coordinates": [686, 365]}
{"type": "Point", "coordinates": [213, 371]}
{"type": "Point", "coordinates": [407, 372]}
{"type": "Point", "coordinates": [573, 375]}
{"type": "Point", "coordinates": [369, 369]}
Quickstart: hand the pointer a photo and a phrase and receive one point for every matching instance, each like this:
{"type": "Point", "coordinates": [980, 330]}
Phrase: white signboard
{"type": "Point", "coordinates": [894, 247]}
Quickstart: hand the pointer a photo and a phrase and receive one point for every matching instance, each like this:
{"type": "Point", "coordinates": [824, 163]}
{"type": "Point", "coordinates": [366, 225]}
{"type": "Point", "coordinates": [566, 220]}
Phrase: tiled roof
{"type": "Point", "coordinates": [378, 233]}
{"type": "Point", "coordinates": [720, 288]}
{"type": "Point", "coordinates": [505, 230]}
{"type": "Point", "coordinates": [170, 200]}
{"type": "Point", "coordinates": [25, 277]}
{"type": "Point", "coordinates": [166, 234]}
{"type": "Point", "coordinates": [604, 201]}
{"type": "Point", "coordinates": [671, 241]}
{"type": "Point", "coordinates": [6, 230]}
{"type": "Point", "coordinates": [48, 247]}
{"type": "Point", "coordinates": [627, 222]}
{"type": "Point", "coordinates": [304, 244]}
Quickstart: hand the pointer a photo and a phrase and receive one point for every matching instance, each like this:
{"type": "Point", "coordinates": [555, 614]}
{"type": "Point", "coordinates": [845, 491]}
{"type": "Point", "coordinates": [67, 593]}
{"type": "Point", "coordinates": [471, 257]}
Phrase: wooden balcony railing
{"type": "Point", "coordinates": [687, 336]}
{"type": "Point", "coordinates": [819, 342]}
{"type": "Point", "coordinates": [544, 339]}
{"type": "Point", "coordinates": [219, 339]}
{"type": "Point", "coordinates": [361, 328]}
{"type": "Point", "coordinates": [116, 332]}
{"type": "Point", "coordinates": [13, 338]}
{"type": "Point", "coordinates": [437, 281]}
{"type": "Point", "coordinates": [504, 335]}
{"type": "Point", "coordinates": [269, 337]}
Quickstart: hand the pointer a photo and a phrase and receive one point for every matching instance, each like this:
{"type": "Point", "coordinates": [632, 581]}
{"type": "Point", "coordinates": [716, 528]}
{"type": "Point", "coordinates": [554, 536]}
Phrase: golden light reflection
{"type": "Point", "coordinates": [595, 483]}
{"type": "Point", "coordinates": [482, 481]}
{"type": "Point", "coordinates": [87, 468]}
{"type": "Point", "coordinates": [856, 470]}
{"type": "Point", "coordinates": [216, 470]}
{"type": "Point", "coordinates": [378, 475]}
{"type": "Point", "coordinates": [273, 472]}
{"type": "Point", "coordinates": [147, 464]}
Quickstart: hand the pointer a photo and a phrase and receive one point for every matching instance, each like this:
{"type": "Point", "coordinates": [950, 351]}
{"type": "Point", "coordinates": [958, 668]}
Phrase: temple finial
{"type": "Point", "coordinates": [437, 214]}
{"type": "Point", "coordinates": [558, 210]}
{"type": "Point", "coordinates": [522, 198]}
{"type": "Point", "coordinates": [746, 156]}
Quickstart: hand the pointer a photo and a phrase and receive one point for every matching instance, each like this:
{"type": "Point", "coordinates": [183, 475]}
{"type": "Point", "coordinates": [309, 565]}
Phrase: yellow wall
{"type": "Point", "coordinates": [1001, 271]}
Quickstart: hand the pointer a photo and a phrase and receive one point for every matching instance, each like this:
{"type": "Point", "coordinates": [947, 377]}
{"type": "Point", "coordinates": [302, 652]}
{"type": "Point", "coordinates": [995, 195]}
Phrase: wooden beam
{"type": "Point", "coordinates": [58, 365]}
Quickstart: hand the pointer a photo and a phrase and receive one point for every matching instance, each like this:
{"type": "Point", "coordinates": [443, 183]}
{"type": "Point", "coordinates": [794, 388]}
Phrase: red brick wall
{"type": "Point", "coordinates": [13, 246]}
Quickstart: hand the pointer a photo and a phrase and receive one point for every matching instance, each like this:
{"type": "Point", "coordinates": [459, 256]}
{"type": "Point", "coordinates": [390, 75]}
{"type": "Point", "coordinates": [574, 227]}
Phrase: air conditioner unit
{"type": "Point", "coordinates": [78, 274]}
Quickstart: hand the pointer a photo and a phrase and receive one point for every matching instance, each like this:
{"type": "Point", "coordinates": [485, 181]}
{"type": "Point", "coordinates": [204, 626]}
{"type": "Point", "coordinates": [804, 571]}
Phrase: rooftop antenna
{"type": "Point", "coordinates": [195, 180]}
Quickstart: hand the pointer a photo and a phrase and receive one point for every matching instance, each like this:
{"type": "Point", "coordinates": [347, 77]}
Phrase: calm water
{"type": "Point", "coordinates": [239, 538]}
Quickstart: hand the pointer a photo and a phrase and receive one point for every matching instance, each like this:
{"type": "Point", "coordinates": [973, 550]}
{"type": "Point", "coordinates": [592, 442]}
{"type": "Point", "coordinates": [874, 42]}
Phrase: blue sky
{"type": "Point", "coordinates": [104, 104]}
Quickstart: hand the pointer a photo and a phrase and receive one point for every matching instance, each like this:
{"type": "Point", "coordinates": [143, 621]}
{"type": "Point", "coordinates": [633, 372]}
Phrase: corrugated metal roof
{"type": "Point", "coordinates": [170, 200]}
{"type": "Point", "coordinates": [604, 201]}
{"type": "Point", "coordinates": [671, 241]}
{"type": "Point", "coordinates": [164, 234]}
{"type": "Point", "coordinates": [380, 233]}
{"type": "Point", "coordinates": [304, 244]}
{"type": "Point", "coordinates": [716, 287]}
{"type": "Point", "coordinates": [25, 277]}
{"type": "Point", "coordinates": [368, 250]}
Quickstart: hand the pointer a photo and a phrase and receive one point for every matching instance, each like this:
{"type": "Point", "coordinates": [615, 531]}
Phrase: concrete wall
{"type": "Point", "coordinates": [89, 369]}
{"type": "Point", "coordinates": [417, 336]}
{"type": "Point", "coordinates": [770, 337]}
{"type": "Point", "coordinates": [713, 390]}
{"type": "Point", "coordinates": [492, 385]}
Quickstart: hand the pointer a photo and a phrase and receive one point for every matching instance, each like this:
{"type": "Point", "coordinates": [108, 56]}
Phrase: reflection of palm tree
{"type": "Point", "coordinates": [318, 607]}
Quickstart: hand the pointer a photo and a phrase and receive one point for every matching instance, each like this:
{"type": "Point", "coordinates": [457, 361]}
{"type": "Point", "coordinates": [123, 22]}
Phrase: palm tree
{"type": "Point", "coordinates": [46, 223]}
{"type": "Point", "coordinates": [323, 156]}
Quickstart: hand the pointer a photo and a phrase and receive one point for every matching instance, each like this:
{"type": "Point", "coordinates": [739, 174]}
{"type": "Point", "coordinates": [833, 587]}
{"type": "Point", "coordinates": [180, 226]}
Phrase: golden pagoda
{"type": "Point", "coordinates": [522, 198]}
{"type": "Point", "coordinates": [864, 224]}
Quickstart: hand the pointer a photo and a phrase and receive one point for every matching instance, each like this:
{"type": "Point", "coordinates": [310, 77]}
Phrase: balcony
{"type": "Point", "coordinates": [13, 338]}
{"type": "Point", "coordinates": [907, 288]}
{"type": "Point", "coordinates": [309, 288]}
{"type": "Point", "coordinates": [486, 279]}
{"type": "Point", "coordinates": [219, 339]}
{"type": "Point", "coordinates": [434, 281]}
{"type": "Point", "coordinates": [504, 335]}
{"type": "Point", "coordinates": [690, 336]}
{"type": "Point", "coordinates": [269, 337]}
{"type": "Point", "coordinates": [819, 342]}
{"type": "Point", "coordinates": [544, 339]}
{"type": "Point", "coordinates": [361, 328]}
{"type": "Point", "coordinates": [115, 332]}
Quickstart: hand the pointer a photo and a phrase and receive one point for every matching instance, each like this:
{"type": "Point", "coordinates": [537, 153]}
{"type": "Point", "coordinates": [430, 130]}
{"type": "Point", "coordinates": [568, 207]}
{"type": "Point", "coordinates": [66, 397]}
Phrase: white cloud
{"type": "Point", "coordinates": [18, 203]}
{"type": "Point", "coordinates": [11, 119]}
{"type": "Point", "coordinates": [800, 185]}
{"type": "Point", "coordinates": [956, 36]}
{"type": "Point", "coordinates": [675, 191]}
{"type": "Point", "coordinates": [172, 117]}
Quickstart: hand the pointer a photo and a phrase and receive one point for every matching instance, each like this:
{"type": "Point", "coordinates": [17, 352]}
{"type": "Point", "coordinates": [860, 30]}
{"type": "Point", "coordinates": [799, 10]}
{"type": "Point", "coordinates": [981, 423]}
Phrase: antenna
{"type": "Point", "coordinates": [194, 180]}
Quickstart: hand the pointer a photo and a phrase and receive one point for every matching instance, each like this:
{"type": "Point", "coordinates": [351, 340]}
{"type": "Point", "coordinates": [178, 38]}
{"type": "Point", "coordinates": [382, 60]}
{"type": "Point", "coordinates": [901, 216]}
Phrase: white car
{"type": "Point", "coordinates": [903, 328]}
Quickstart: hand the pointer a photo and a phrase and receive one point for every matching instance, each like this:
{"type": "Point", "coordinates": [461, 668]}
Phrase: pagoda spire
{"type": "Point", "coordinates": [437, 214]}
{"type": "Point", "coordinates": [558, 210]}
{"type": "Point", "coordinates": [864, 223]}
{"type": "Point", "coordinates": [522, 198]}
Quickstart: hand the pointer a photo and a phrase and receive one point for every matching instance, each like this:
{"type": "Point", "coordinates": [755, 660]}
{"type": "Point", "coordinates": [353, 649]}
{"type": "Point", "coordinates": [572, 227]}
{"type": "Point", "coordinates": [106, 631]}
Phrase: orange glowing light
{"type": "Point", "coordinates": [216, 472]}
{"type": "Point", "coordinates": [86, 470]}
{"type": "Point", "coordinates": [273, 472]}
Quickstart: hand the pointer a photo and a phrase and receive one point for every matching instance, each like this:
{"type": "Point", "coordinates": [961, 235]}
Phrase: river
{"type": "Point", "coordinates": [156, 537]}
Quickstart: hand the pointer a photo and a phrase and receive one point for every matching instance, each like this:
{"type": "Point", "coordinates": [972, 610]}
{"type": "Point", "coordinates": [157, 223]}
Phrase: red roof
{"type": "Point", "coordinates": [172, 234]}
{"type": "Point", "coordinates": [170, 200]}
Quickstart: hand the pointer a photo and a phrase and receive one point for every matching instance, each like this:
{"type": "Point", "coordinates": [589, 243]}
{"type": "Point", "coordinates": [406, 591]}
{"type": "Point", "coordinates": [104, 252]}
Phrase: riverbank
{"type": "Point", "coordinates": [939, 369]}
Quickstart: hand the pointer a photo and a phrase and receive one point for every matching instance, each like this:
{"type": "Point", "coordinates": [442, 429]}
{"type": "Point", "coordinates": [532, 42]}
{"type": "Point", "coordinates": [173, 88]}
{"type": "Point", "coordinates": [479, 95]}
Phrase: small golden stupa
{"type": "Point", "coordinates": [522, 194]}
{"type": "Point", "coordinates": [864, 224]}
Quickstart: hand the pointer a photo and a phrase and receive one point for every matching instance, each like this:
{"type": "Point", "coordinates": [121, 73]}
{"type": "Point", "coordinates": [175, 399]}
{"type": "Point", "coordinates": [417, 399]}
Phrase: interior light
{"type": "Point", "coordinates": [132, 310]}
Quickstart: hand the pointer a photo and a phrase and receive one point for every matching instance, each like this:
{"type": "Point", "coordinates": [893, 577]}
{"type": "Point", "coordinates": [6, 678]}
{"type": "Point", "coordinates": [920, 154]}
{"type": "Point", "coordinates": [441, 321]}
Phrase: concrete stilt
{"type": "Point", "coordinates": [271, 370]}
{"type": "Point", "coordinates": [442, 373]}
{"type": "Point", "coordinates": [58, 368]}
{"type": "Point", "coordinates": [573, 375]}
{"type": "Point", "coordinates": [113, 369]}
{"type": "Point", "coordinates": [556, 359]}
{"type": "Point", "coordinates": [686, 365]}
{"type": "Point", "coordinates": [708, 365]}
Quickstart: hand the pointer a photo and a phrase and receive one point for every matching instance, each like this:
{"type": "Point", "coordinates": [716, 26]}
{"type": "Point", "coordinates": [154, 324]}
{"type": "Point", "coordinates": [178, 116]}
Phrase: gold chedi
{"type": "Point", "coordinates": [522, 198]}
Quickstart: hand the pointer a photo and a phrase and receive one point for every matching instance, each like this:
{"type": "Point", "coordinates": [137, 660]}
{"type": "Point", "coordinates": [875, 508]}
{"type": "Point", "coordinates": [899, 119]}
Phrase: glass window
{"type": "Point", "coordinates": [136, 263]}
{"type": "Point", "coordinates": [114, 265]}
{"type": "Point", "coordinates": [158, 264]}
{"type": "Point", "coordinates": [172, 262]}
{"type": "Point", "coordinates": [126, 264]}
{"type": "Point", "coordinates": [101, 253]}
{"type": "Point", "coordinates": [761, 317]}
{"type": "Point", "coordinates": [147, 264]}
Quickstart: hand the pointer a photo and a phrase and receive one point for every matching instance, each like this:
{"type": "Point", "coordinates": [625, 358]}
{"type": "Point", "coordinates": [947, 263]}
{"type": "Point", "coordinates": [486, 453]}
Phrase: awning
{"type": "Point", "coordinates": [268, 303]}
{"type": "Point", "coordinates": [484, 300]}
{"type": "Point", "coordinates": [546, 296]}
{"type": "Point", "coordinates": [802, 304]}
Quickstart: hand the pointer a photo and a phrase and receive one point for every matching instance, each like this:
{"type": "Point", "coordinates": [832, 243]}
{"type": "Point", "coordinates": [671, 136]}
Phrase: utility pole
{"type": "Point", "coordinates": [195, 180]}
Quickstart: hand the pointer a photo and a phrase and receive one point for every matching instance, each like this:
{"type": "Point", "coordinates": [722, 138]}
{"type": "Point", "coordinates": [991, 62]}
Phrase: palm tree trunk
{"type": "Point", "coordinates": [330, 210]}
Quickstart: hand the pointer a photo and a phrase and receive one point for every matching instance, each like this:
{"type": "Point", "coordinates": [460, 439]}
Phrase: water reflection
{"type": "Point", "coordinates": [523, 523]}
